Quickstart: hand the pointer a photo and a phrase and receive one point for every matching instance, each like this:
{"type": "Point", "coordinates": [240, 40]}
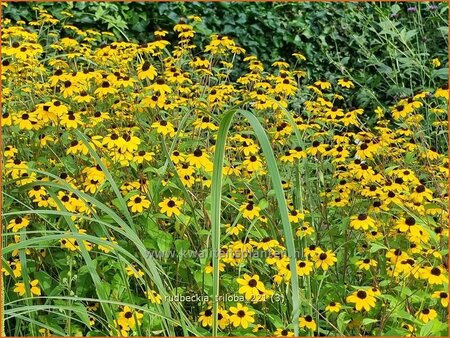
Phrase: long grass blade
{"type": "Point", "coordinates": [216, 198]}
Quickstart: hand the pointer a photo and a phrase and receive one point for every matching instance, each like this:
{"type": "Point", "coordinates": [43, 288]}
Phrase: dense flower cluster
{"type": "Point", "coordinates": [91, 126]}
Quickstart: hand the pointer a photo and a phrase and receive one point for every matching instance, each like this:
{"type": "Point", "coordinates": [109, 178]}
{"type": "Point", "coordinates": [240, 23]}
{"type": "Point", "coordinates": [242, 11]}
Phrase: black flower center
{"type": "Point", "coordinates": [362, 217]}
{"type": "Point", "coordinates": [436, 271]}
{"type": "Point", "coordinates": [361, 294]}
{"type": "Point", "coordinates": [252, 283]}
{"type": "Point", "coordinates": [420, 188]}
{"type": "Point", "coordinates": [410, 221]}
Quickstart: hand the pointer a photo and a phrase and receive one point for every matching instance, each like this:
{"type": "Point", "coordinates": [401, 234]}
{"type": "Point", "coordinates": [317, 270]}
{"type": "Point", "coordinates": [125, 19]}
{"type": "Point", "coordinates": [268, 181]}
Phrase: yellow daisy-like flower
{"type": "Point", "coordinates": [235, 229]}
{"type": "Point", "coordinates": [362, 300]}
{"type": "Point", "coordinates": [206, 318]}
{"type": "Point", "coordinates": [146, 71]}
{"type": "Point", "coordinates": [241, 316]}
{"type": "Point", "coordinates": [134, 271]}
{"type": "Point", "coordinates": [443, 296]}
{"type": "Point", "coordinates": [436, 62]}
{"type": "Point", "coordinates": [209, 267]}
{"type": "Point", "coordinates": [345, 83]}
{"type": "Point", "coordinates": [307, 322]}
{"type": "Point", "coordinates": [18, 223]}
{"type": "Point", "coordinates": [305, 230]}
{"type": "Point", "coordinates": [171, 206]}
{"type": "Point", "coordinates": [283, 333]}
{"type": "Point", "coordinates": [251, 286]}
{"type": "Point", "coordinates": [249, 210]}
{"type": "Point", "coordinates": [366, 264]}
{"type": "Point", "coordinates": [164, 127]}
{"type": "Point", "coordinates": [153, 296]}
{"type": "Point", "coordinates": [362, 221]}
{"type": "Point", "coordinates": [325, 259]}
{"type": "Point", "coordinates": [435, 276]}
{"type": "Point", "coordinates": [427, 314]}
{"type": "Point", "coordinates": [130, 318]}
{"type": "Point", "coordinates": [34, 288]}
{"type": "Point", "coordinates": [304, 268]}
{"type": "Point", "coordinates": [333, 307]}
{"type": "Point", "coordinates": [138, 203]}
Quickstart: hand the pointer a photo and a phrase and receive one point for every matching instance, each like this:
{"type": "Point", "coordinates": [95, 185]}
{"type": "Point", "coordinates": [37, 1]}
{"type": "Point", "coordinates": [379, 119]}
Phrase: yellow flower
{"type": "Point", "coordinates": [209, 267]}
{"type": "Point", "coordinates": [436, 63]}
{"type": "Point", "coordinates": [366, 264]}
{"type": "Point", "coordinates": [346, 83]}
{"type": "Point", "coordinates": [325, 259]}
{"type": "Point", "coordinates": [138, 203]}
{"type": "Point", "coordinates": [18, 223]}
{"type": "Point", "coordinates": [146, 71]}
{"type": "Point", "coordinates": [16, 268]}
{"type": "Point", "coordinates": [206, 317]}
{"type": "Point", "coordinates": [223, 318]}
{"type": "Point", "coordinates": [106, 248]}
{"type": "Point", "coordinates": [299, 56]}
{"type": "Point", "coordinates": [443, 296]}
{"type": "Point", "coordinates": [252, 163]}
{"type": "Point", "coordinates": [165, 128]}
{"type": "Point", "coordinates": [249, 210]}
{"type": "Point", "coordinates": [134, 271]}
{"type": "Point", "coordinates": [362, 300]}
{"type": "Point", "coordinates": [304, 268]}
{"type": "Point", "coordinates": [171, 206]}
{"type": "Point", "coordinates": [427, 314]}
{"type": "Point", "coordinates": [258, 328]}
{"type": "Point", "coordinates": [304, 230]}
{"type": "Point", "coordinates": [362, 221]}
{"type": "Point", "coordinates": [250, 286]}
{"type": "Point", "coordinates": [283, 333]}
{"type": "Point", "coordinates": [241, 316]}
{"type": "Point", "coordinates": [34, 288]}
{"type": "Point", "coordinates": [333, 307]}
{"type": "Point", "coordinates": [235, 229]}
{"type": "Point", "coordinates": [323, 84]}
{"type": "Point", "coordinates": [199, 159]}
{"type": "Point", "coordinates": [435, 276]}
{"type": "Point", "coordinates": [153, 296]}
{"type": "Point", "coordinates": [130, 318]}
{"type": "Point", "coordinates": [307, 322]}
